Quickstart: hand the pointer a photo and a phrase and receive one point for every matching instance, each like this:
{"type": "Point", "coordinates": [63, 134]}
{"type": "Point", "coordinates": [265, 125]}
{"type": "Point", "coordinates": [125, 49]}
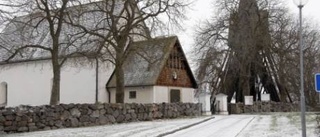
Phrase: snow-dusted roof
{"type": "Point", "coordinates": [145, 61]}
{"type": "Point", "coordinates": [220, 95]}
{"type": "Point", "coordinates": [30, 30]}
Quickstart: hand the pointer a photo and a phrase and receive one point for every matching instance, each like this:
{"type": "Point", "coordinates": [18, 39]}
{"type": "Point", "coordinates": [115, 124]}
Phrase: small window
{"type": "Point", "coordinates": [132, 94]}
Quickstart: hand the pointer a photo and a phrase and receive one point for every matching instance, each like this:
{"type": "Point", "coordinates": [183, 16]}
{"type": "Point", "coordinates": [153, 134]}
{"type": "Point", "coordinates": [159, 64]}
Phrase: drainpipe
{"type": "Point", "coordinates": [97, 79]}
{"type": "Point", "coordinates": [109, 95]}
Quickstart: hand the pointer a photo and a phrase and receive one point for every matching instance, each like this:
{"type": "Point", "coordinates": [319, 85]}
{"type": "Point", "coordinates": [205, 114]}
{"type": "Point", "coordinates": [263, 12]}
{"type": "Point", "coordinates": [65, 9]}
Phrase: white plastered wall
{"type": "Point", "coordinates": [187, 95]}
{"type": "Point", "coordinates": [105, 72]}
{"type": "Point", "coordinates": [29, 83]}
{"type": "Point", "coordinates": [162, 94]}
{"type": "Point", "coordinates": [154, 94]}
{"type": "Point", "coordinates": [144, 94]}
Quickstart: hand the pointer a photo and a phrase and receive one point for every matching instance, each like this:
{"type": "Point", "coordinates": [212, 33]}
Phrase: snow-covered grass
{"type": "Point", "coordinates": [220, 126]}
{"type": "Point", "coordinates": [258, 125]}
{"type": "Point", "coordinates": [281, 125]}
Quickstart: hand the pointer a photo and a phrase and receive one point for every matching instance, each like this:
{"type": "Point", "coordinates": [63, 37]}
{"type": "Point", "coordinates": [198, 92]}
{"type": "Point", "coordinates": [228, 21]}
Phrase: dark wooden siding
{"type": "Point", "coordinates": [176, 63]}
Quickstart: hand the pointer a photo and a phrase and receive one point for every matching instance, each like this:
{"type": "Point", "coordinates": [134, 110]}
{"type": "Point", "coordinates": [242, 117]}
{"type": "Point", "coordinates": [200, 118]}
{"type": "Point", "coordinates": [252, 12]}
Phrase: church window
{"type": "Point", "coordinates": [132, 94]}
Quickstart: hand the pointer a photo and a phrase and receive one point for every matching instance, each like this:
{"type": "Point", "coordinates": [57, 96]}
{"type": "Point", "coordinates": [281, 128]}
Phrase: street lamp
{"type": "Point", "coordinates": [300, 4]}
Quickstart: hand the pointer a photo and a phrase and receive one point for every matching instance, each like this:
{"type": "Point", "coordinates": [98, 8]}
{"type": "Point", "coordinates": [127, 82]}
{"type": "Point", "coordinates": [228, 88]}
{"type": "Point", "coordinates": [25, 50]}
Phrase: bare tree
{"type": "Point", "coordinates": [250, 47]}
{"type": "Point", "coordinates": [37, 29]}
{"type": "Point", "coordinates": [61, 29]}
{"type": "Point", "coordinates": [130, 20]}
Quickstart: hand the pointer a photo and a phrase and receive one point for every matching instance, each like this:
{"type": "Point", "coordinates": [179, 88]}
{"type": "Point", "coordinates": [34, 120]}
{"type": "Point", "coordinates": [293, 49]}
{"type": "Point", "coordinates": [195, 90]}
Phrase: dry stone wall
{"type": "Point", "coordinates": [27, 118]}
{"type": "Point", "coordinates": [257, 107]}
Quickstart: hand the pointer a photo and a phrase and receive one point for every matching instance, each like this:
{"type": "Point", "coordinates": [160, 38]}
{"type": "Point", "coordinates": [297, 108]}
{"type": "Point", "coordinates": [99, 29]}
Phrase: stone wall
{"type": "Point", "coordinates": [238, 108]}
{"type": "Point", "coordinates": [27, 118]}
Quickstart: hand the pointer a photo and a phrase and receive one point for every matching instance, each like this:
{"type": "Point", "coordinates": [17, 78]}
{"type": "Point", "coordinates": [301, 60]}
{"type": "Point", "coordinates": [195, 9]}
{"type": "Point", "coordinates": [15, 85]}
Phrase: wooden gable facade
{"type": "Point", "coordinates": [176, 71]}
{"type": "Point", "coordinates": [157, 70]}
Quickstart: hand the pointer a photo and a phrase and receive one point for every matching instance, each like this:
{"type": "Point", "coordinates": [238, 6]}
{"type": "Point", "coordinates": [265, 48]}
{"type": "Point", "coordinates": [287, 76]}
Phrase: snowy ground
{"type": "Point", "coordinates": [221, 126]}
{"type": "Point", "coordinates": [281, 125]}
{"type": "Point", "coordinates": [264, 125]}
{"type": "Point", "coordinates": [137, 129]}
{"type": "Point", "coordinates": [271, 125]}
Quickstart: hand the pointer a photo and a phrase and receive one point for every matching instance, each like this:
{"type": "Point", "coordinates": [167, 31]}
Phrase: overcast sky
{"type": "Point", "coordinates": [203, 9]}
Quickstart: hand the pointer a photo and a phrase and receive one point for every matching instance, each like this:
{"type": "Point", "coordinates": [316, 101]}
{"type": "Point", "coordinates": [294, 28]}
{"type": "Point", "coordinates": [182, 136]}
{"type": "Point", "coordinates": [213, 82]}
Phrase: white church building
{"type": "Point", "coordinates": [156, 70]}
{"type": "Point", "coordinates": [29, 83]}
{"type": "Point", "coordinates": [168, 79]}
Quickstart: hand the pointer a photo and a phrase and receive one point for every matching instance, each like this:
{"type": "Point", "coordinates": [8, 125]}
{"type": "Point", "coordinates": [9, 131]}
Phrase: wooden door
{"type": "Point", "coordinates": [174, 95]}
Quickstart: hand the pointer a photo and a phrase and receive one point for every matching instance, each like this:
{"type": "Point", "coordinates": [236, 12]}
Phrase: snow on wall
{"type": "Point", "coordinates": [29, 83]}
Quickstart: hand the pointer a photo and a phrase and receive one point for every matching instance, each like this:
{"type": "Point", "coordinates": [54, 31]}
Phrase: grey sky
{"type": "Point", "coordinates": [201, 10]}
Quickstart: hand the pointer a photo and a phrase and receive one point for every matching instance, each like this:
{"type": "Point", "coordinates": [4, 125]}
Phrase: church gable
{"type": "Point", "coordinates": [176, 71]}
{"type": "Point", "coordinates": [158, 61]}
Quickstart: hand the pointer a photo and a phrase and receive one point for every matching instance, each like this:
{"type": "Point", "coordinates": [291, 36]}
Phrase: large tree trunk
{"type": "Point", "coordinates": [120, 85]}
{"type": "Point", "coordinates": [55, 91]}
{"type": "Point", "coordinates": [119, 77]}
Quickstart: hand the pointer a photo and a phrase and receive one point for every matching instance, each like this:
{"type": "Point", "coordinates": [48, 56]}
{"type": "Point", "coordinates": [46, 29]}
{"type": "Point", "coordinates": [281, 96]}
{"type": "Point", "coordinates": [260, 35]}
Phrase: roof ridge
{"type": "Point", "coordinates": [156, 38]}
{"type": "Point", "coordinates": [32, 14]}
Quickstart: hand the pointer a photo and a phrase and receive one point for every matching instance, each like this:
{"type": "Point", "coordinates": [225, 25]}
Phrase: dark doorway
{"type": "Point", "coordinates": [174, 95]}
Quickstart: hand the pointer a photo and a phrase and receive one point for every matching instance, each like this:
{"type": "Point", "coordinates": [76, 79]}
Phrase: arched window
{"type": "Point", "coordinates": [3, 94]}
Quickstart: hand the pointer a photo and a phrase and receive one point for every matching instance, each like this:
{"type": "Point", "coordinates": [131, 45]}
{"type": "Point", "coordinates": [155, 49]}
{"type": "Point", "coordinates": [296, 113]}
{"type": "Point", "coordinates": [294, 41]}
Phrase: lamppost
{"type": "Point", "coordinates": [300, 4]}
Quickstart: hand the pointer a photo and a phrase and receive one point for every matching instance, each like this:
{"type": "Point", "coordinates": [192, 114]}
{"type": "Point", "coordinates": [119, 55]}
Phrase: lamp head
{"type": "Point", "coordinates": [300, 2]}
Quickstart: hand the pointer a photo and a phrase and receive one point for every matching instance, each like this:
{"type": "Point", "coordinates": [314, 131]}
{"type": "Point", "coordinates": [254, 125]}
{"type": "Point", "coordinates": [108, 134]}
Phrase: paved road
{"type": "Point", "coordinates": [221, 126]}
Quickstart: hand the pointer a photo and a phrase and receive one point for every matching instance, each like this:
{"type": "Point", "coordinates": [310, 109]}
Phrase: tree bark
{"type": "Point", "coordinates": [55, 91]}
{"type": "Point", "coordinates": [120, 85]}
{"type": "Point", "coordinates": [119, 76]}
{"type": "Point", "coordinates": [56, 68]}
